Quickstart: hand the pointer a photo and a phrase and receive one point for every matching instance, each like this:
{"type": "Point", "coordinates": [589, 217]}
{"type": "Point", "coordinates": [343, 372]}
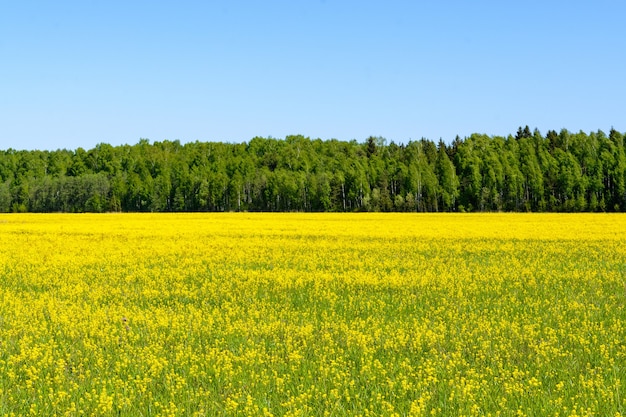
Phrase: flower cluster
{"type": "Point", "coordinates": [313, 315]}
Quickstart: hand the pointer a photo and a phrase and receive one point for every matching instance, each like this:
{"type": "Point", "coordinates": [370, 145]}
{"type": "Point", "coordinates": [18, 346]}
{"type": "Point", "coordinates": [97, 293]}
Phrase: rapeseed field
{"type": "Point", "coordinates": [313, 315]}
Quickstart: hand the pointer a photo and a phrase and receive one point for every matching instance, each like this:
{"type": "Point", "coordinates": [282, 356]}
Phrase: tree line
{"type": "Point", "coordinates": [558, 172]}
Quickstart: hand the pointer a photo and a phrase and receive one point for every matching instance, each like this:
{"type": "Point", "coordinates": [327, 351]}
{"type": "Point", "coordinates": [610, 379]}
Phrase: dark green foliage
{"type": "Point", "coordinates": [527, 172]}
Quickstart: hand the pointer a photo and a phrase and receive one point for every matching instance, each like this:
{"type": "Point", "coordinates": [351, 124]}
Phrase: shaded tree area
{"type": "Point", "coordinates": [560, 172]}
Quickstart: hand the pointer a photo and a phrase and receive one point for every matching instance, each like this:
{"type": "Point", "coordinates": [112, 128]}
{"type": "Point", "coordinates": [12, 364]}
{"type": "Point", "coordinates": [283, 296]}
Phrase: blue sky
{"type": "Point", "coordinates": [77, 73]}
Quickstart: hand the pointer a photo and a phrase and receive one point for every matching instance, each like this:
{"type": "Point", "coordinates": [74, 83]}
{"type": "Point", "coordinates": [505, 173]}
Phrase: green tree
{"type": "Point", "coordinates": [448, 181]}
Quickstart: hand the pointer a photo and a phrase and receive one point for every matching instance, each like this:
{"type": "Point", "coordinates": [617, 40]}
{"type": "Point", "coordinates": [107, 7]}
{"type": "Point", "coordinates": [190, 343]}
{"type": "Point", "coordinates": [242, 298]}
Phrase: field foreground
{"type": "Point", "coordinates": [313, 315]}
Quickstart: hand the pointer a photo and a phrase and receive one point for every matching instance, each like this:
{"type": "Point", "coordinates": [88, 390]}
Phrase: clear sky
{"type": "Point", "coordinates": [77, 73]}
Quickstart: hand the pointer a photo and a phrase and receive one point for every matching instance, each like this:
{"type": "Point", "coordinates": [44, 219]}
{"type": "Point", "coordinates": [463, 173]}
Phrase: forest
{"type": "Point", "coordinates": [525, 172]}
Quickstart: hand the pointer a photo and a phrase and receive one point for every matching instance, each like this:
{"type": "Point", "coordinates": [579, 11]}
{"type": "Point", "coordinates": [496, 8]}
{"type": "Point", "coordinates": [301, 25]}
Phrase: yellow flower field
{"type": "Point", "coordinates": [313, 315]}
